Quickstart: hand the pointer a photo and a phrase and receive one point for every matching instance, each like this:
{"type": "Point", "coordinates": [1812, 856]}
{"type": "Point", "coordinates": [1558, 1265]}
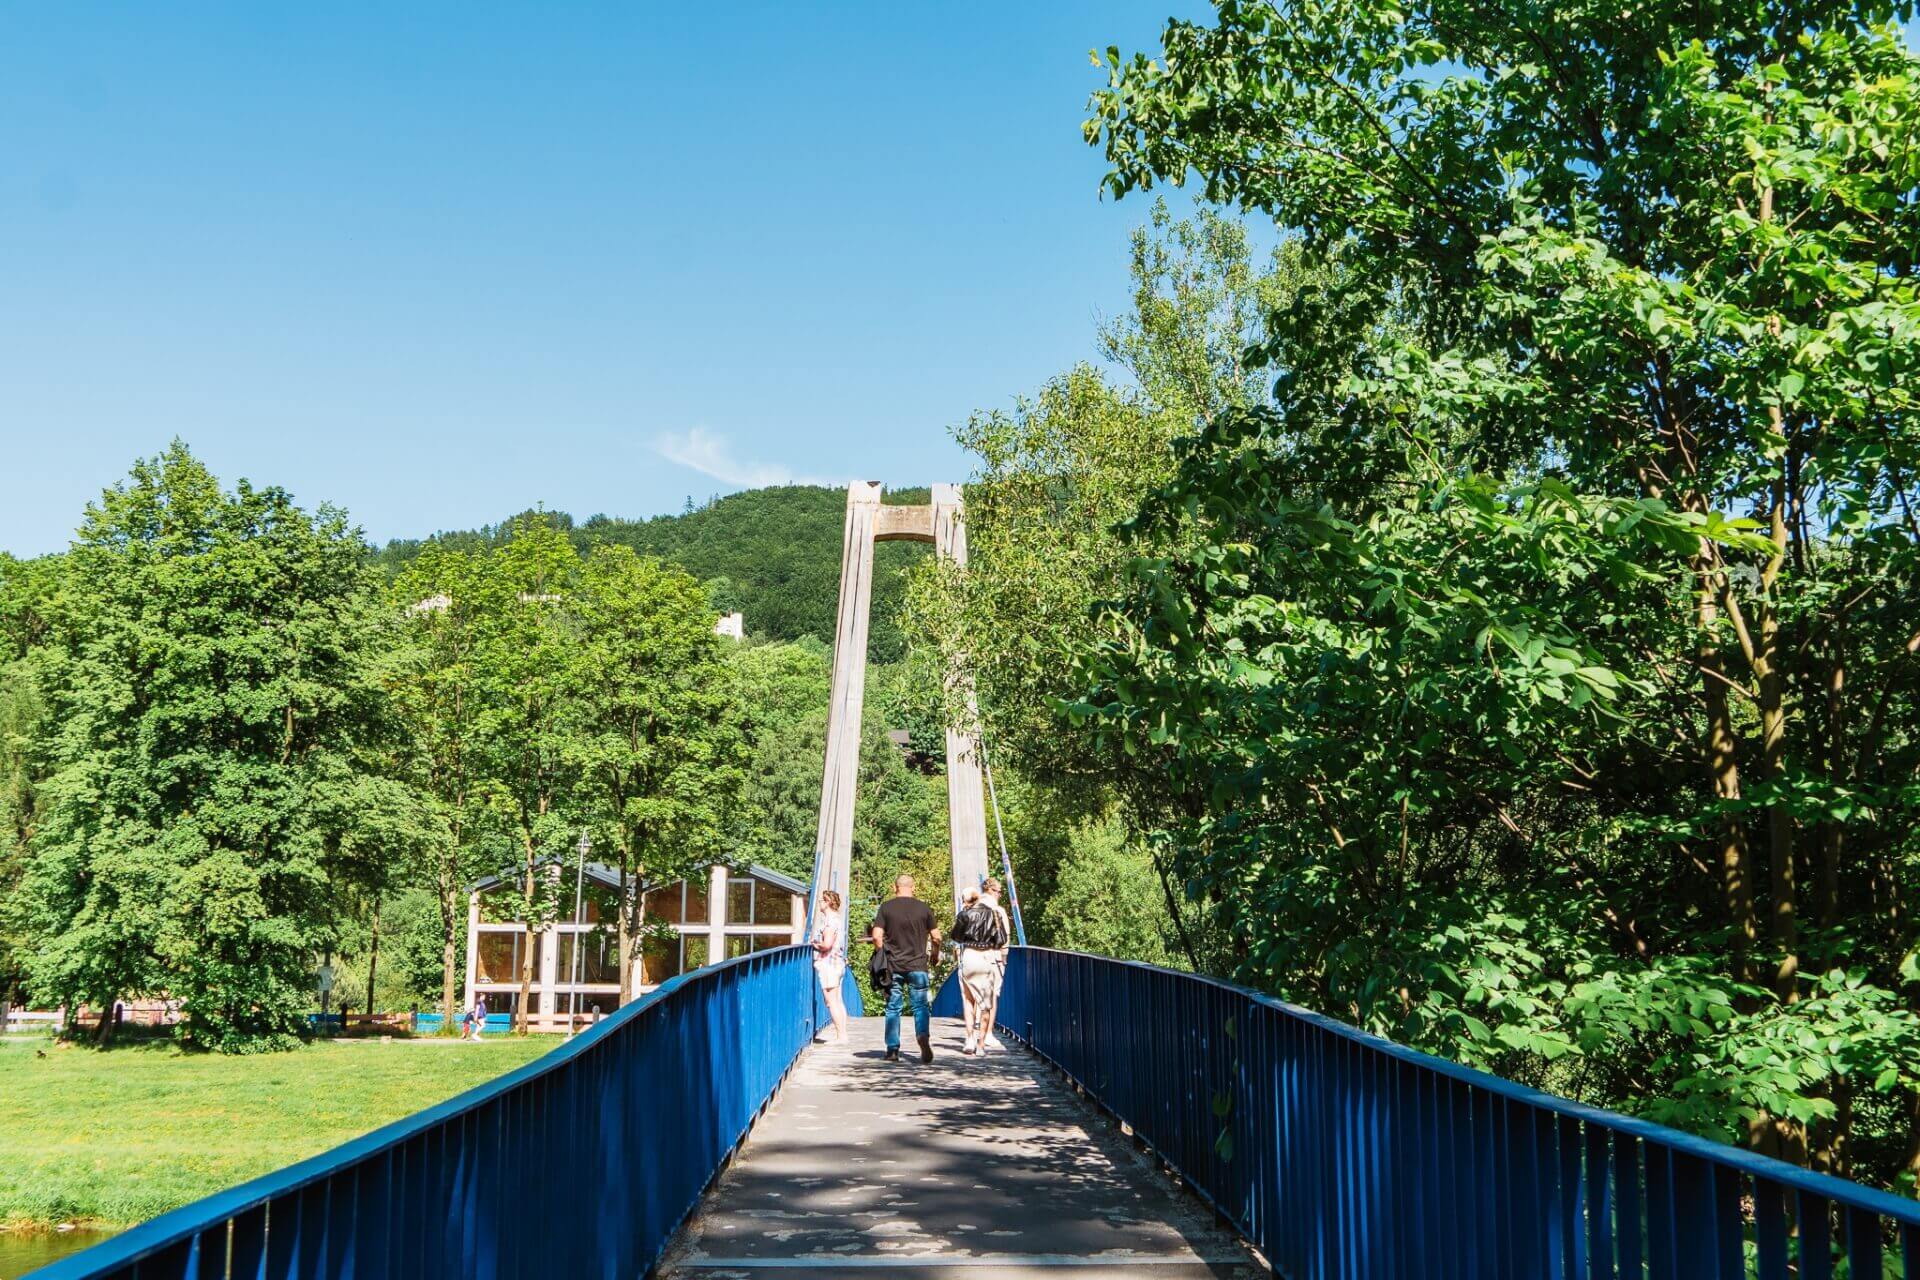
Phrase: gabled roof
{"type": "Point", "coordinates": [771, 876]}
{"type": "Point", "coordinates": [599, 872]}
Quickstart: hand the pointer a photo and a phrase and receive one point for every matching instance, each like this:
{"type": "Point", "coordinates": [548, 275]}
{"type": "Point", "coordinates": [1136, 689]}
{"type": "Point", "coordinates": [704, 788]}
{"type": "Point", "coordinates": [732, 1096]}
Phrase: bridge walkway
{"type": "Point", "coordinates": [985, 1168]}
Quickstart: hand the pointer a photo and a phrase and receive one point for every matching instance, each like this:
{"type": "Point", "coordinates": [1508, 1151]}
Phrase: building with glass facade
{"type": "Point", "coordinates": [697, 921]}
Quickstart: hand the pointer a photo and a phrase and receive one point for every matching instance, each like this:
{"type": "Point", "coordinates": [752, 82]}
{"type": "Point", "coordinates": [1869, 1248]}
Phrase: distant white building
{"type": "Point", "coordinates": [733, 625]}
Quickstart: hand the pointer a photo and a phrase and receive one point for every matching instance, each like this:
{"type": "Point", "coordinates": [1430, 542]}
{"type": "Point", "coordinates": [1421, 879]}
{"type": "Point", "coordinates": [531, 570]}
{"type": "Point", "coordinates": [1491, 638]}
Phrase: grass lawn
{"type": "Point", "coordinates": [118, 1137]}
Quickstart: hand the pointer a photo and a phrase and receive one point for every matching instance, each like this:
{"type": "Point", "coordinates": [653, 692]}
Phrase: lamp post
{"type": "Point", "coordinates": [579, 888]}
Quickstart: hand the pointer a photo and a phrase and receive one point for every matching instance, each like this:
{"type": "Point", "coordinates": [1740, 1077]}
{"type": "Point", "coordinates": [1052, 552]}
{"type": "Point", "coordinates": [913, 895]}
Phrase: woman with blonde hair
{"type": "Point", "coordinates": [830, 960]}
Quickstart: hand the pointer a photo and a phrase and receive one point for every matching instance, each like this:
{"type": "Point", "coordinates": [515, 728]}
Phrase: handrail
{"type": "Point", "coordinates": [1342, 1154]}
{"type": "Point", "coordinates": [582, 1162]}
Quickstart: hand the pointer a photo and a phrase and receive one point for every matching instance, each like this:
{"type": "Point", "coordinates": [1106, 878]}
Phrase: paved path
{"type": "Point", "coordinates": [969, 1169]}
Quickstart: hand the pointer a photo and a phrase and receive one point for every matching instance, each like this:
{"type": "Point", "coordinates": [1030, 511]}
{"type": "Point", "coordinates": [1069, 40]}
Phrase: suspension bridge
{"type": "Point", "coordinates": [1143, 1122]}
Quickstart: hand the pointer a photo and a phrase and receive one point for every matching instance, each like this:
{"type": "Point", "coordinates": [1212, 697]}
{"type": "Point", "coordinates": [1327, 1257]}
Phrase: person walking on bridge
{"type": "Point", "coordinates": [830, 962]}
{"type": "Point", "coordinates": [904, 931]}
{"type": "Point", "coordinates": [983, 931]}
{"type": "Point", "coordinates": [969, 1012]}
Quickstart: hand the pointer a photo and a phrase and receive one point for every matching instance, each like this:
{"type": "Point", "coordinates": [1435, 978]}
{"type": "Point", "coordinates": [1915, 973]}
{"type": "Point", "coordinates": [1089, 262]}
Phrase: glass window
{"type": "Point", "coordinates": [660, 960]}
{"type": "Point", "coordinates": [585, 1003]}
{"type": "Point", "coordinates": [772, 905]}
{"type": "Point", "coordinates": [739, 944]}
{"type": "Point", "coordinates": [697, 899]}
{"type": "Point", "coordinates": [739, 902]}
{"type": "Point", "coordinates": [499, 956]}
{"type": "Point", "coordinates": [768, 941]}
{"type": "Point", "coordinates": [664, 903]}
{"type": "Point", "coordinates": [504, 1001]}
{"type": "Point", "coordinates": [694, 950]}
{"type": "Point", "coordinates": [598, 962]}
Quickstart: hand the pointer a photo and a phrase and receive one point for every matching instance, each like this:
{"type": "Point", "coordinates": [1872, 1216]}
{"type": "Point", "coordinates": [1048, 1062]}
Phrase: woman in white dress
{"type": "Point", "coordinates": [830, 959]}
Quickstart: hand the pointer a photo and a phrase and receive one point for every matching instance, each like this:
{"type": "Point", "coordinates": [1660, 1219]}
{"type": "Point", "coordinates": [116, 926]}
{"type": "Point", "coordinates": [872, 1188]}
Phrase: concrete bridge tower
{"type": "Point", "coordinates": [869, 522]}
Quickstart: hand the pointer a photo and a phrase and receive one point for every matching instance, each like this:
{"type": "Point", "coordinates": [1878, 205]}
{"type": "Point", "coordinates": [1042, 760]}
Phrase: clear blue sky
{"type": "Point", "coordinates": [437, 263]}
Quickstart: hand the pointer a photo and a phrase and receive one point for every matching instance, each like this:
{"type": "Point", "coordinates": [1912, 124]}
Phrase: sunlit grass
{"type": "Point", "coordinates": [121, 1136]}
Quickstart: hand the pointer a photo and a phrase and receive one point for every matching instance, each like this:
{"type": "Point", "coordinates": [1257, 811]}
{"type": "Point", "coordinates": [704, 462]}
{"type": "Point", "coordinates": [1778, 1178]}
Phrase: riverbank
{"type": "Point", "coordinates": [110, 1139]}
{"type": "Point", "coordinates": [23, 1251]}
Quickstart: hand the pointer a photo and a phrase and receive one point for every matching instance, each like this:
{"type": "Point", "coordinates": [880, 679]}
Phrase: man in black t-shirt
{"type": "Point", "coordinates": [904, 930]}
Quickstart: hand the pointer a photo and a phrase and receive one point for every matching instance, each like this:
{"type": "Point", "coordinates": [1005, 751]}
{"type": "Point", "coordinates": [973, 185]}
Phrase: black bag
{"type": "Point", "coordinates": [879, 972]}
{"type": "Point", "coordinates": [979, 926]}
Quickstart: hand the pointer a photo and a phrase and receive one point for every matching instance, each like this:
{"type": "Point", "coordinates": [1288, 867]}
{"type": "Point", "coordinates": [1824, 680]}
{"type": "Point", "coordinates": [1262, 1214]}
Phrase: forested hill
{"type": "Point", "coordinates": [773, 554]}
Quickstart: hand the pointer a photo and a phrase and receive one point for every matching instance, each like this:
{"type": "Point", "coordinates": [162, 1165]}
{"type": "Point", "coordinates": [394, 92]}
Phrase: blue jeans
{"type": "Point", "coordinates": [918, 983]}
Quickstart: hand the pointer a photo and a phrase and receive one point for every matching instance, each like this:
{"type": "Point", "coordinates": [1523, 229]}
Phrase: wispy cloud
{"type": "Point", "coordinates": [712, 454]}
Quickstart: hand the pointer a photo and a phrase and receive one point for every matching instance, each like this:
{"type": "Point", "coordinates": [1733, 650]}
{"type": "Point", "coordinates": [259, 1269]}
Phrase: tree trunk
{"type": "Point", "coordinates": [1894, 913]}
{"type": "Point", "coordinates": [373, 955]}
{"type": "Point", "coordinates": [448, 962]}
{"type": "Point", "coordinates": [1832, 832]}
{"type": "Point", "coordinates": [1782, 927]}
{"type": "Point", "coordinates": [451, 915]}
{"type": "Point", "coordinates": [103, 1034]}
{"type": "Point", "coordinates": [625, 944]}
{"type": "Point", "coordinates": [1173, 912]}
{"type": "Point", "coordinates": [1723, 770]}
{"type": "Point", "coordinates": [1779, 1137]}
{"type": "Point", "coordinates": [1827, 1139]}
{"type": "Point", "coordinates": [1912, 1165]}
{"type": "Point", "coordinates": [530, 939]}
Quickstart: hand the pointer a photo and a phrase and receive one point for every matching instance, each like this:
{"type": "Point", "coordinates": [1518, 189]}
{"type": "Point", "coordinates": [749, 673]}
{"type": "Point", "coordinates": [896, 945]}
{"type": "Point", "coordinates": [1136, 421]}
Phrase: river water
{"type": "Point", "coordinates": [22, 1251]}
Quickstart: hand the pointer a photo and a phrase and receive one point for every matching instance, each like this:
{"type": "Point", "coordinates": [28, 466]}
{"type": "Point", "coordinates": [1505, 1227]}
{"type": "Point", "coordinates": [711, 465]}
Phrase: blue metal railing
{"type": "Point", "coordinates": [581, 1163]}
{"type": "Point", "coordinates": [1343, 1156]}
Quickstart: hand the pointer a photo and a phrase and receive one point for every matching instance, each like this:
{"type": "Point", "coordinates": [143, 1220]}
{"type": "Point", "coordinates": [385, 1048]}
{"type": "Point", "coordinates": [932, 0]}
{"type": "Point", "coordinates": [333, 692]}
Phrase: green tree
{"type": "Point", "coordinates": [22, 729]}
{"type": "Point", "coordinates": [901, 812]}
{"type": "Point", "coordinates": [438, 691]}
{"type": "Point", "coordinates": [1057, 473]}
{"type": "Point", "coordinates": [1056, 477]}
{"type": "Point", "coordinates": [415, 949]}
{"type": "Point", "coordinates": [1105, 897]}
{"type": "Point", "coordinates": [1545, 649]}
{"type": "Point", "coordinates": [209, 675]}
{"type": "Point", "coordinates": [783, 693]}
{"type": "Point", "coordinates": [26, 596]}
{"type": "Point", "coordinates": [900, 818]}
{"type": "Point", "coordinates": [658, 745]}
{"type": "Point", "coordinates": [26, 588]}
{"type": "Point", "coordinates": [529, 735]}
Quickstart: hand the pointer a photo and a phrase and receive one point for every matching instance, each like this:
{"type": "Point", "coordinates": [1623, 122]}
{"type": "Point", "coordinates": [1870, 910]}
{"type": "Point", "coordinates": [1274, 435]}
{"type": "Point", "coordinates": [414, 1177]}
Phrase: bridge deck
{"type": "Point", "coordinates": [969, 1169]}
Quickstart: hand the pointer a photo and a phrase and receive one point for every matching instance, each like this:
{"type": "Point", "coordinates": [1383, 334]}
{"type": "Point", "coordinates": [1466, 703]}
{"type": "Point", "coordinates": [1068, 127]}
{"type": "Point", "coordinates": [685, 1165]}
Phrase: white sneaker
{"type": "Point", "coordinates": [992, 1042]}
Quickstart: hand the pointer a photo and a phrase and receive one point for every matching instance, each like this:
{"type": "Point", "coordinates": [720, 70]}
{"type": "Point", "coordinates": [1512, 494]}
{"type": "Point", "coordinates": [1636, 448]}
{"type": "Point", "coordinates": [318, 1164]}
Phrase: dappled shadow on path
{"type": "Point", "coordinates": [965, 1159]}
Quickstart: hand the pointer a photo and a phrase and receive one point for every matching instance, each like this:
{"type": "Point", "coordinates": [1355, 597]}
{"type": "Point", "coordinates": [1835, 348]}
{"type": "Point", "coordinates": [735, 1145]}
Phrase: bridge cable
{"type": "Point", "coordinates": [1006, 863]}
